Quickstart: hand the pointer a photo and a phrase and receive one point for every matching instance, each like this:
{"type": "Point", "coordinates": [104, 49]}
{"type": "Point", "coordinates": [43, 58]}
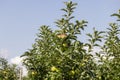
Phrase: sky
{"type": "Point", "coordinates": [21, 19]}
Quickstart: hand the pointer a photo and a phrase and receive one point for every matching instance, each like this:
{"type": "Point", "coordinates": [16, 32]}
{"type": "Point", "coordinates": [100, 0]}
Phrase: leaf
{"type": "Point", "coordinates": [96, 45]}
{"type": "Point", "coordinates": [97, 54]}
{"type": "Point", "coordinates": [64, 10]}
{"type": "Point", "coordinates": [118, 15]}
{"type": "Point", "coordinates": [89, 35]}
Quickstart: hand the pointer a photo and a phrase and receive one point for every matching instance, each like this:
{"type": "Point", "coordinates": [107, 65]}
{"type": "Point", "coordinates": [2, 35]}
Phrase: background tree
{"type": "Point", "coordinates": [8, 72]}
{"type": "Point", "coordinates": [110, 65]}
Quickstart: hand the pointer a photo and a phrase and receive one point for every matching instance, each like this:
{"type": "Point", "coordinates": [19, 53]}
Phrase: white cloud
{"type": "Point", "coordinates": [4, 53]}
{"type": "Point", "coordinates": [18, 61]}
{"type": "Point", "coordinates": [24, 71]}
{"type": "Point", "coordinates": [94, 50]}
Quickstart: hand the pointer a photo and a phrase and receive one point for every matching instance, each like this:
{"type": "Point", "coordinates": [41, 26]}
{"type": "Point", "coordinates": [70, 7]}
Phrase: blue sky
{"type": "Point", "coordinates": [21, 19]}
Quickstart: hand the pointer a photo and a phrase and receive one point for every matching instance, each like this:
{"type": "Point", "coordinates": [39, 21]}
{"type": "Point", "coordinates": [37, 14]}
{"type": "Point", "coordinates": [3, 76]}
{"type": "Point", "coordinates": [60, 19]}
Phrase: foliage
{"type": "Point", "coordinates": [59, 55]}
{"type": "Point", "coordinates": [110, 67]}
{"type": "Point", "coordinates": [8, 72]}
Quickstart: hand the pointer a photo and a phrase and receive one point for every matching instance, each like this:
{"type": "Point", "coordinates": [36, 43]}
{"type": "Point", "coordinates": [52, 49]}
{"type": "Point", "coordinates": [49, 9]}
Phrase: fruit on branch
{"type": "Point", "coordinates": [62, 35]}
{"type": "Point", "coordinates": [54, 69]}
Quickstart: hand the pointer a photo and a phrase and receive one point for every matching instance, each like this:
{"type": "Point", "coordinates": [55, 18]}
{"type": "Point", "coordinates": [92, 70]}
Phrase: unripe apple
{"type": "Point", "coordinates": [33, 72]}
{"type": "Point", "coordinates": [82, 64]}
{"type": "Point", "coordinates": [4, 72]}
{"type": "Point", "coordinates": [72, 72]}
{"type": "Point", "coordinates": [65, 45]}
{"type": "Point", "coordinates": [54, 69]}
